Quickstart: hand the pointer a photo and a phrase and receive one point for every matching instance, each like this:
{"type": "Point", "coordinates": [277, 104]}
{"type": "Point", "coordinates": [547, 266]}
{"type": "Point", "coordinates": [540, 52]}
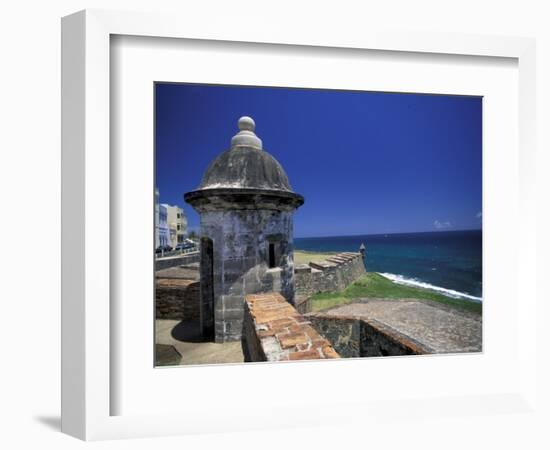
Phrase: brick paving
{"type": "Point", "coordinates": [283, 333]}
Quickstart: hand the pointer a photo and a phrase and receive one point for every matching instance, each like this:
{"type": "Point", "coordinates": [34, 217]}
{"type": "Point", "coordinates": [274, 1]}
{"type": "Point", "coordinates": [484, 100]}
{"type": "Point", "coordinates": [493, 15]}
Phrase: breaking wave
{"type": "Point", "coordinates": [400, 279]}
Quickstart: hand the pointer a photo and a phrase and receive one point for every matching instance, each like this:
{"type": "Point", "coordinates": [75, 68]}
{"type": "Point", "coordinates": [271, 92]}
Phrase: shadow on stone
{"type": "Point", "coordinates": [188, 331]}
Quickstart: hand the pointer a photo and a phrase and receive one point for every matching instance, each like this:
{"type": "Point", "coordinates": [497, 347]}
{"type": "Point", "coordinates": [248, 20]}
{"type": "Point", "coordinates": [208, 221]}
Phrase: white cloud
{"type": "Point", "coordinates": [442, 225]}
{"type": "Point", "coordinates": [479, 215]}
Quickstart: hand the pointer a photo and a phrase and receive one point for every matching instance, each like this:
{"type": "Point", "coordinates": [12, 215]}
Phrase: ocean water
{"type": "Point", "coordinates": [448, 261]}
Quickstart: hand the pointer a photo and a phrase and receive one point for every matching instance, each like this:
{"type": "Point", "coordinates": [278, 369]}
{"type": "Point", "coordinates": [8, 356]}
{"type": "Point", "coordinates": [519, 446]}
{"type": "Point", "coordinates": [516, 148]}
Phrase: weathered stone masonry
{"type": "Point", "coordinates": [354, 337]}
{"type": "Point", "coordinates": [181, 299]}
{"type": "Point", "coordinates": [333, 274]}
{"type": "Point", "coordinates": [246, 204]}
{"type": "Point", "coordinates": [240, 262]}
{"type": "Point", "coordinates": [275, 331]}
{"type": "Point", "coordinates": [177, 299]}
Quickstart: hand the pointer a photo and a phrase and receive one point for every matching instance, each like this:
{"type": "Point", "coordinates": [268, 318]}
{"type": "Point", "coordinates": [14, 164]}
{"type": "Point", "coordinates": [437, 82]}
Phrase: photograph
{"type": "Point", "coordinates": [297, 224]}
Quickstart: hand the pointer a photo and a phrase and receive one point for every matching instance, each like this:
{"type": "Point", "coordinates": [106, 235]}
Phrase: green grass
{"type": "Point", "coordinates": [302, 257]}
{"type": "Point", "coordinates": [376, 286]}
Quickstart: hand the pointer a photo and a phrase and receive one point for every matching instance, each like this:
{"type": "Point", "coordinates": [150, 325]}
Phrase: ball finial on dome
{"type": "Point", "coordinates": [246, 124]}
{"type": "Point", "coordinates": [246, 136]}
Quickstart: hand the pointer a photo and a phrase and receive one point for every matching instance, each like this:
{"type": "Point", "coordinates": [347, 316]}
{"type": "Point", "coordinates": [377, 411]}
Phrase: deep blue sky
{"type": "Point", "coordinates": [365, 162]}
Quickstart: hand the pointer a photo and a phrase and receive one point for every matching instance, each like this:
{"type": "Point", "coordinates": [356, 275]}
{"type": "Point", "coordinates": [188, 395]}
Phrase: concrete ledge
{"type": "Point", "coordinates": [178, 260]}
{"type": "Point", "coordinates": [301, 268]}
{"type": "Point", "coordinates": [322, 265]}
{"type": "Point", "coordinates": [274, 331]}
{"type": "Point", "coordinates": [337, 260]}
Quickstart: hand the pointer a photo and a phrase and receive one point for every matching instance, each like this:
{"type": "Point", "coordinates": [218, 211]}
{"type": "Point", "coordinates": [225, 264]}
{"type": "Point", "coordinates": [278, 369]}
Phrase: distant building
{"type": "Point", "coordinates": [164, 231]}
{"type": "Point", "coordinates": [177, 224]}
{"type": "Point", "coordinates": [157, 211]}
{"type": "Point", "coordinates": [170, 224]}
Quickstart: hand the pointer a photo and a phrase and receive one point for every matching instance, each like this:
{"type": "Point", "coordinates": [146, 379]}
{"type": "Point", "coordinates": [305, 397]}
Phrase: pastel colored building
{"type": "Point", "coordinates": [177, 224]}
{"type": "Point", "coordinates": [164, 230]}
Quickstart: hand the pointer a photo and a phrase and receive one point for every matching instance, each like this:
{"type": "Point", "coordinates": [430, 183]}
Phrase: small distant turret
{"type": "Point", "coordinates": [363, 251]}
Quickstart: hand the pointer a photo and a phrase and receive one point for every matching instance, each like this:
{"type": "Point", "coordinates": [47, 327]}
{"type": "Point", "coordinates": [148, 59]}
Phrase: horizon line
{"type": "Point", "coordinates": [388, 234]}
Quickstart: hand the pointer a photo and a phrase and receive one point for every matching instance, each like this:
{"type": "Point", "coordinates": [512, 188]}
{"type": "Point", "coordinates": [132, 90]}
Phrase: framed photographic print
{"type": "Point", "coordinates": [256, 213]}
{"type": "Point", "coordinates": [247, 269]}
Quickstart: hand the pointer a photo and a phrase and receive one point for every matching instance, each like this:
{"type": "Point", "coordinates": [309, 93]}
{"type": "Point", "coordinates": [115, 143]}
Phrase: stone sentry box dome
{"type": "Point", "coordinates": [246, 205]}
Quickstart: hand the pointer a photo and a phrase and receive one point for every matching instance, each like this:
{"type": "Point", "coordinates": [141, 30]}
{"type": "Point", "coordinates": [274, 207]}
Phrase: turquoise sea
{"type": "Point", "coordinates": [447, 261]}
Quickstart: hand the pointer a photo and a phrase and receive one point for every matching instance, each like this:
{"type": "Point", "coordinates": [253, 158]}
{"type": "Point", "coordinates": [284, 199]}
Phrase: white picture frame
{"type": "Point", "coordinates": [87, 355]}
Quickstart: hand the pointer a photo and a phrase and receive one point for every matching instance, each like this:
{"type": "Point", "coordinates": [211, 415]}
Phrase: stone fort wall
{"type": "Point", "coordinates": [177, 299]}
{"type": "Point", "coordinates": [240, 262]}
{"type": "Point", "coordinates": [353, 337]}
{"type": "Point", "coordinates": [180, 299]}
{"type": "Point", "coordinates": [333, 274]}
{"type": "Point", "coordinates": [178, 260]}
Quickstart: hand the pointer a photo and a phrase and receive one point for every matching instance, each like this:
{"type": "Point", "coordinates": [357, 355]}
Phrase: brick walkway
{"type": "Point", "coordinates": [275, 331]}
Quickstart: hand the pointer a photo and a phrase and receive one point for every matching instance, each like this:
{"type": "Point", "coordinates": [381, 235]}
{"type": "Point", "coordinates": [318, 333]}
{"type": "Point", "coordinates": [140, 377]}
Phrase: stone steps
{"type": "Point", "coordinates": [329, 263]}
